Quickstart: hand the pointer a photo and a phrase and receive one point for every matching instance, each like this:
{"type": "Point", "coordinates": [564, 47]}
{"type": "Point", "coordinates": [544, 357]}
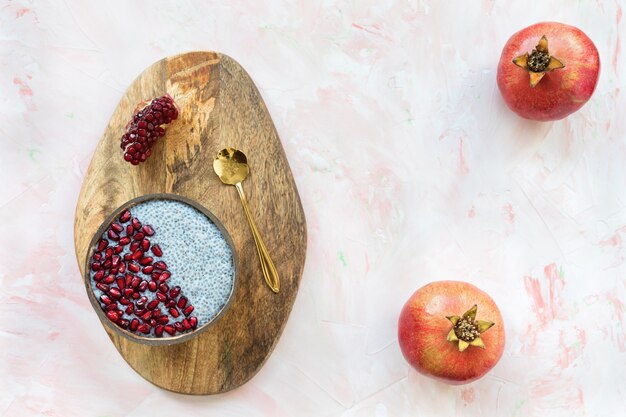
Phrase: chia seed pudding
{"type": "Point", "coordinates": [162, 267]}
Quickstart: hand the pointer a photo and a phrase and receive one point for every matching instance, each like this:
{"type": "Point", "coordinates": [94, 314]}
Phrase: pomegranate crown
{"type": "Point", "coordinates": [538, 62]}
{"type": "Point", "coordinates": [466, 330]}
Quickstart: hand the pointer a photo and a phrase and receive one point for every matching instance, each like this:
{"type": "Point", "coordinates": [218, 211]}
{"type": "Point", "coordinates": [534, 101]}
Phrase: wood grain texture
{"type": "Point", "coordinates": [220, 107]}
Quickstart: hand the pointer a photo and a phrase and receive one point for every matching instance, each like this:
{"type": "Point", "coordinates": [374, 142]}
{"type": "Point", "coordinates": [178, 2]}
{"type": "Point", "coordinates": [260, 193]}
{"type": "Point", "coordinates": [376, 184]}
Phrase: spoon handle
{"type": "Point", "coordinates": [269, 271]}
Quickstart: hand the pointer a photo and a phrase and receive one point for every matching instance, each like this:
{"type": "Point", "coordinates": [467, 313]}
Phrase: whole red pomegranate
{"type": "Point", "coordinates": [451, 331]}
{"type": "Point", "coordinates": [548, 71]}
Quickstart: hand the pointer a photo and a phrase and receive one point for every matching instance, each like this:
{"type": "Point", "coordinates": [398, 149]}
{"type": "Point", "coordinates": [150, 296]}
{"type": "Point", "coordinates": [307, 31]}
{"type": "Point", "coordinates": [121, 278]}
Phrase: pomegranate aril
{"type": "Point", "coordinates": [102, 286]}
{"type": "Point", "coordinates": [136, 223]}
{"type": "Point", "coordinates": [152, 286]}
{"type": "Point", "coordinates": [121, 283]}
{"type": "Point", "coordinates": [111, 307]}
{"type": "Point", "coordinates": [158, 331]}
{"type": "Point", "coordinates": [134, 246]}
{"type": "Point", "coordinates": [124, 301]}
{"type": "Point", "coordinates": [110, 279]}
{"type": "Point", "coordinates": [163, 287]}
{"type": "Point", "coordinates": [115, 261]}
{"type": "Point", "coordinates": [161, 296]}
{"type": "Point", "coordinates": [160, 265]}
{"type": "Point", "coordinates": [113, 316]}
{"type": "Point", "coordinates": [125, 216]}
{"type": "Point", "coordinates": [141, 303]}
{"type": "Point", "coordinates": [152, 322]}
{"type": "Point", "coordinates": [106, 264]}
{"type": "Point", "coordinates": [96, 256]}
{"type": "Point", "coordinates": [146, 261]}
{"type": "Point", "coordinates": [147, 269]}
{"type": "Point", "coordinates": [148, 230]}
{"type": "Point", "coordinates": [193, 320]}
{"type": "Point", "coordinates": [170, 329]}
{"type": "Point", "coordinates": [124, 241]}
{"type": "Point", "coordinates": [128, 292]}
{"type": "Point", "coordinates": [112, 235]}
{"type": "Point", "coordinates": [130, 230]}
{"type": "Point", "coordinates": [128, 280]}
{"type": "Point", "coordinates": [163, 319]}
{"type": "Point", "coordinates": [174, 292]}
{"type": "Point", "coordinates": [170, 303]}
{"type": "Point", "coordinates": [135, 281]}
{"type": "Point", "coordinates": [118, 249]}
{"type": "Point", "coordinates": [182, 302]}
{"type": "Point", "coordinates": [95, 266]}
{"type": "Point", "coordinates": [175, 313]}
{"type": "Point", "coordinates": [145, 245]}
{"type": "Point", "coordinates": [102, 244]}
{"type": "Point", "coordinates": [133, 267]}
{"type": "Point", "coordinates": [139, 236]}
{"type": "Point", "coordinates": [130, 309]}
{"type": "Point", "coordinates": [99, 275]}
{"type": "Point", "coordinates": [134, 324]}
{"type": "Point", "coordinates": [117, 227]}
{"type": "Point", "coordinates": [108, 254]}
{"type": "Point", "coordinates": [146, 316]}
{"type": "Point", "coordinates": [153, 304]}
{"type": "Point", "coordinates": [179, 327]}
{"type": "Point", "coordinates": [186, 324]}
{"type": "Point", "coordinates": [105, 299]}
{"type": "Point", "coordinates": [123, 323]}
{"type": "Point", "coordinates": [127, 256]}
{"type": "Point", "coordinates": [187, 311]}
{"type": "Point", "coordinates": [144, 328]}
{"type": "Point", "coordinates": [155, 275]}
{"type": "Point", "coordinates": [115, 293]}
{"type": "Point", "coordinates": [165, 276]}
{"type": "Point", "coordinates": [135, 295]}
{"type": "Point", "coordinates": [138, 254]}
{"type": "Point", "coordinates": [156, 249]}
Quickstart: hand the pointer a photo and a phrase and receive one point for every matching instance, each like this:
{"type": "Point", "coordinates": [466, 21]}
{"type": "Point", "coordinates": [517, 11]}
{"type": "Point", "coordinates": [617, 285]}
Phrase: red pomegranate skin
{"type": "Point", "coordinates": [423, 329]}
{"type": "Point", "coordinates": [562, 91]}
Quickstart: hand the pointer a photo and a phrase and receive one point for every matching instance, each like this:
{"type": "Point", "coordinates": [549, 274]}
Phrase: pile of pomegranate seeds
{"type": "Point", "coordinates": [145, 128]}
{"type": "Point", "coordinates": [135, 294]}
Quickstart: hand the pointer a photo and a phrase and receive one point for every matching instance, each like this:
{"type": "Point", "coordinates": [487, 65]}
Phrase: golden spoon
{"type": "Point", "coordinates": [231, 166]}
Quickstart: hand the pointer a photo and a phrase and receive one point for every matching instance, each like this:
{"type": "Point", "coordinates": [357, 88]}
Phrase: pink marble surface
{"type": "Point", "coordinates": [410, 169]}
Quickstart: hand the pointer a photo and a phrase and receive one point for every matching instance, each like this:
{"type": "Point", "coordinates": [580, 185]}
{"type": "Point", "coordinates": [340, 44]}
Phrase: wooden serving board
{"type": "Point", "coordinates": [219, 107]}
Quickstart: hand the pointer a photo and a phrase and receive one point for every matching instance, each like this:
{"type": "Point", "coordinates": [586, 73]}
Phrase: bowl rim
{"type": "Point", "coordinates": [169, 340]}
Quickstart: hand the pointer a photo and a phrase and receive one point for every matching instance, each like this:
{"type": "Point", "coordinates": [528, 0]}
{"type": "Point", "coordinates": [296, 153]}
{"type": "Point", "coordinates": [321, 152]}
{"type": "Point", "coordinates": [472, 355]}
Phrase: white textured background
{"type": "Point", "coordinates": [410, 169]}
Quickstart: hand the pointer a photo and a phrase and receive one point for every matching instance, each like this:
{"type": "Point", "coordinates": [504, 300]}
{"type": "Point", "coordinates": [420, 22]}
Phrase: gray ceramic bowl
{"type": "Point", "coordinates": [166, 339]}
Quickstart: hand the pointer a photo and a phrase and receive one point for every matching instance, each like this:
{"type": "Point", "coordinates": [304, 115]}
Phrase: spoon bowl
{"type": "Point", "coordinates": [231, 166]}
